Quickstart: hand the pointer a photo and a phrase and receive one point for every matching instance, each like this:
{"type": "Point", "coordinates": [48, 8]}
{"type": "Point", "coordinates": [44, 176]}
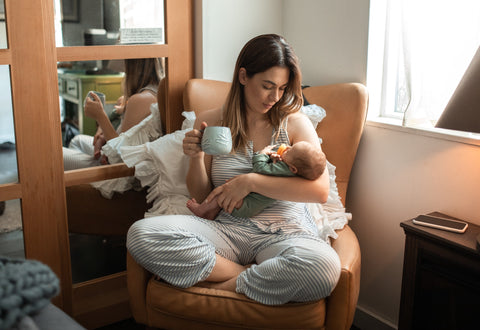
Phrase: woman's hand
{"type": "Point", "coordinates": [231, 194]}
{"type": "Point", "coordinates": [98, 142]}
{"type": "Point", "coordinates": [192, 142]}
{"type": "Point", "coordinates": [93, 108]}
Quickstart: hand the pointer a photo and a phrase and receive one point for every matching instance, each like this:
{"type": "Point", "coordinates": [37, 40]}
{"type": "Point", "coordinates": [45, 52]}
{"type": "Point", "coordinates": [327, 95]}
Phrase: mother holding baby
{"type": "Point", "coordinates": [276, 256]}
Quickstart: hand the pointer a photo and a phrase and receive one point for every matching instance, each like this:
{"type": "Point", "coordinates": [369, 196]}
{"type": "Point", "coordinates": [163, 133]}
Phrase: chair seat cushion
{"type": "Point", "coordinates": [178, 308]}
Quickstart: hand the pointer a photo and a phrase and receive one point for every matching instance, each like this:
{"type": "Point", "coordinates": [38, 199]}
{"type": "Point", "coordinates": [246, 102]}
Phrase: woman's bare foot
{"type": "Point", "coordinates": [204, 210]}
{"type": "Point", "coordinates": [228, 285]}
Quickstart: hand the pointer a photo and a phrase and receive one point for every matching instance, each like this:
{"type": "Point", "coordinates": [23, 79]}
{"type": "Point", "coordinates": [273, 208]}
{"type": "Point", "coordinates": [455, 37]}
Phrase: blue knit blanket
{"type": "Point", "coordinates": [26, 286]}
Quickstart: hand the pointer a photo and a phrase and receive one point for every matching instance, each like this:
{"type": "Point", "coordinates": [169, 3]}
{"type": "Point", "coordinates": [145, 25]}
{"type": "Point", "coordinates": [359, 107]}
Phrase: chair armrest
{"type": "Point", "coordinates": [342, 302]}
{"type": "Point", "coordinates": [137, 281]}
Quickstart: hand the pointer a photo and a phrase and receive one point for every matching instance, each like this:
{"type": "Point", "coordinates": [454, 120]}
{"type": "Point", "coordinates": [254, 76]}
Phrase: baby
{"type": "Point", "coordinates": [302, 159]}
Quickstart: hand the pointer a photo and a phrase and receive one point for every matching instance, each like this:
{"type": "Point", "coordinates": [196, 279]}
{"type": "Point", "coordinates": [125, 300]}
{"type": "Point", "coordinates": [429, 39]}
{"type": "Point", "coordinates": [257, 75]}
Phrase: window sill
{"type": "Point", "coordinates": [436, 133]}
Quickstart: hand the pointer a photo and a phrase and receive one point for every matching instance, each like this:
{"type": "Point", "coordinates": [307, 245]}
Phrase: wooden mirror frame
{"type": "Point", "coordinates": [32, 56]}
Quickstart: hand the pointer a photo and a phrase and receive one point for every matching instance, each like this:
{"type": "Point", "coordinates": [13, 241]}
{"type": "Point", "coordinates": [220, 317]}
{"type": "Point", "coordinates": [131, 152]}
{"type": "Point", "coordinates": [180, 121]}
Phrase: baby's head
{"type": "Point", "coordinates": [305, 160]}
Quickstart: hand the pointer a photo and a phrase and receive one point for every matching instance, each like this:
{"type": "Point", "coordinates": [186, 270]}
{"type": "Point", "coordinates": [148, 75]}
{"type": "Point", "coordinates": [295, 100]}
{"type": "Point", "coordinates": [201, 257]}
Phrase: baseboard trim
{"type": "Point", "coordinates": [367, 320]}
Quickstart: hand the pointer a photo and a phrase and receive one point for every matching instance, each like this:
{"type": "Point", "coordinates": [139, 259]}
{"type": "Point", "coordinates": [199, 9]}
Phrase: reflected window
{"type": "Point", "coordinates": [11, 234]}
{"type": "Point", "coordinates": [108, 22]}
{"type": "Point", "coordinates": [8, 155]}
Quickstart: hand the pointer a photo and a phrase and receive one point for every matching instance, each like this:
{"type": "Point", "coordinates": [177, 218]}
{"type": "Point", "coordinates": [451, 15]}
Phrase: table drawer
{"type": "Point", "coordinates": [61, 86]}
{"type": "Point", "coordinates": [72, 88]}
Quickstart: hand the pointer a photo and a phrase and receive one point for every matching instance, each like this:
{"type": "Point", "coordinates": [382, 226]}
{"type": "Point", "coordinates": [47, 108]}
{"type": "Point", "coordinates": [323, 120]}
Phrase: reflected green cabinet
{"type": "Point", "coordinates": [73, 88]}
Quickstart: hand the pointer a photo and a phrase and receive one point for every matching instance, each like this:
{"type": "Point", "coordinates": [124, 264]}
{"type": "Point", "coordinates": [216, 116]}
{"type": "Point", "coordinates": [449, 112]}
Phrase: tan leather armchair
{"type": "Point", "coordinates": [160, 305]}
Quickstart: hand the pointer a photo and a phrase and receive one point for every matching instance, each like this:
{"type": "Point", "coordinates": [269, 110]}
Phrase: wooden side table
{"type": "Point", "coordinates": [441, 279]}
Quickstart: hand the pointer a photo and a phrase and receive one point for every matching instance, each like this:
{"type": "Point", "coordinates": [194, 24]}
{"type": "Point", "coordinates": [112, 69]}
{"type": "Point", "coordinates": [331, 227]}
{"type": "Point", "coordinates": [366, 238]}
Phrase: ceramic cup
{"type": "Point", "coordinates": [217, 140]}
{"type": "Point", "coordinates": [100, 95]}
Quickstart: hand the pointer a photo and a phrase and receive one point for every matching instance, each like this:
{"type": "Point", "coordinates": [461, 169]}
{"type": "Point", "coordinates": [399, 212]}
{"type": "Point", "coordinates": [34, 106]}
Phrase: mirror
{"type": "Point", "coordinates": [94, 256]}
{"type": "Point", "coordinates": [8, 155]}
{"type": "Point", "coordinates": [98, 217]}
{"type": "Point", "coordinates": [3, 30]}
{"type": "Point", "coordinates": [129, 88]}
{"type": "Point", "coordinates": [98, 227]}
{"type": "Point", "coordinates": [108, 22]}
{"type": "Point", "coordinates": [11, 233]}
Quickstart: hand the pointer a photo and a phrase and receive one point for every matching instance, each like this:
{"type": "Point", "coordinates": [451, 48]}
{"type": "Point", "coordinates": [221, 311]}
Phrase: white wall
{"type": "Point", "coordinates": [330, 51]}
{"type": "Point", "coordinates": [330, 38]}
{"type": "Point", "coordinates": [227, 25]}
{"type": "Point", "coordinates": [397, 174]}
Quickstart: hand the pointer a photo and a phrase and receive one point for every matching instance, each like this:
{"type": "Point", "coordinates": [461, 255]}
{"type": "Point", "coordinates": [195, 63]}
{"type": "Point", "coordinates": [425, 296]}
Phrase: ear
{"type": "Point", "coordinates": [293, 169]}
{"type": "Point", "coordinates": [242, 76]}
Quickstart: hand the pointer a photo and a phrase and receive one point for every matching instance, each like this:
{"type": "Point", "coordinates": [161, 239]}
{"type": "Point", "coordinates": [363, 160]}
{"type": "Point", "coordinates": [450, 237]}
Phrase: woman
{"type": "Point", "coordinates": [292, 263]}
{"type": "Point", "coordinates": [142, 77]}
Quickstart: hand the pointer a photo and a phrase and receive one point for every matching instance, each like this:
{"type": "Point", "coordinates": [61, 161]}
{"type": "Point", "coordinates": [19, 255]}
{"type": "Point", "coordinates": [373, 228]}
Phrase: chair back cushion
{"type": "Point", "coordinates": [202, 94]}
{"type": "Point", "coordinates": [346, 107]}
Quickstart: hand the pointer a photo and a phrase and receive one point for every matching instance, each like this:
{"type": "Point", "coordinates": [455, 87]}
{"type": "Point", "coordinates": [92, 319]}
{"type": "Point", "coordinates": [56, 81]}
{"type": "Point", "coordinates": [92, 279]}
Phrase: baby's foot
{"type": "Point", "coordinates": [205, 210]}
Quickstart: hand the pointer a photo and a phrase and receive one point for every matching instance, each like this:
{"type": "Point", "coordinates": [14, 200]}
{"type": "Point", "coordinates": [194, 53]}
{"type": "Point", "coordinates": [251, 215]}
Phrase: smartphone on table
{"type": "Point", "coordinates": [439, 222]}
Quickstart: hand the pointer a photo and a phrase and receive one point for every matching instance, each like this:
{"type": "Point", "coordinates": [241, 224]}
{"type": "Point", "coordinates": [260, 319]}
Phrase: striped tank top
{"type": "Point", "coordinates": [279, 217]}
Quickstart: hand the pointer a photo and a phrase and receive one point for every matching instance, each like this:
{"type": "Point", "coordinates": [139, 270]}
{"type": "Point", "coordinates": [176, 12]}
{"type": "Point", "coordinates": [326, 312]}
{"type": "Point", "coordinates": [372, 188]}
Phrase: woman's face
{"type": "Point", "coordinates": [264, 89]}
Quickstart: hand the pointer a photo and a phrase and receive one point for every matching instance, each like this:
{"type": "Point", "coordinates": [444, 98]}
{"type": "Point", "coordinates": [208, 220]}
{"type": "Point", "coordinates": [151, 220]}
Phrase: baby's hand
{"type": "Point", "coordinates": [275, 157]}
{"type": "Point", "coordinates": [267, 150]}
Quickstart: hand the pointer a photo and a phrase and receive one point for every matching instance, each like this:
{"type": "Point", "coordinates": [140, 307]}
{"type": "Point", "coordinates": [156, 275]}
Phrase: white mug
{"type": "Point", "coordinates": [100, 95]}
{"type": "Point", "coordinates": [217, 140]}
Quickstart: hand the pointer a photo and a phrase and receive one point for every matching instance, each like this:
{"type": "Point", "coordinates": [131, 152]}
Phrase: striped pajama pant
{"type": "Point", "coordinates": [181, 250]}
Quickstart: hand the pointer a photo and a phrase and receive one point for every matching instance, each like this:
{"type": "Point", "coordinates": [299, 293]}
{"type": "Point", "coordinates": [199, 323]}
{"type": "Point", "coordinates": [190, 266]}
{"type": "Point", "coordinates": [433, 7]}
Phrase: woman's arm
{"type": "Point", "coordinates": [138, 109]}
{"type": "Point", "coordinates": [199, 171]}
{"type": "Point", "coordinates": [300, 128]}
{"type": "Point", "coordinates": [294, 189]}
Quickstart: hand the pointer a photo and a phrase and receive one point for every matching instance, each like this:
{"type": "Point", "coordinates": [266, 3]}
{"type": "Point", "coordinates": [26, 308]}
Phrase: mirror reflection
{"type": "Point", "coordinates": [98, 105]}
{"type": "Point", "coordinates": [11, 234]}
{"type": "Point", "coordinates": [8, 155]}
{"type": "Point", "coordinates": [3, 30]}
{"type": "Point", "coordinates": [108, 22]}
{"type": "Point", "coordinates": [98, 226]}
{"type": "Point", "coordinates": [94, 256]}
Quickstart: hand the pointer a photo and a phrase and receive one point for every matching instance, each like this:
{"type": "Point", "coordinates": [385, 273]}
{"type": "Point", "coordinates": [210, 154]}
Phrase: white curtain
{"type": "Point", "coordinates": [429, 43]}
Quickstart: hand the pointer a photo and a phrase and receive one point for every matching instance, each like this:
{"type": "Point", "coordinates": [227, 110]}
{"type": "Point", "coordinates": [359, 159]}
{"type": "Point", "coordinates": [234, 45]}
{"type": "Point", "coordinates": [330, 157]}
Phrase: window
{"type": "Point", "coordinates": [418, 52]}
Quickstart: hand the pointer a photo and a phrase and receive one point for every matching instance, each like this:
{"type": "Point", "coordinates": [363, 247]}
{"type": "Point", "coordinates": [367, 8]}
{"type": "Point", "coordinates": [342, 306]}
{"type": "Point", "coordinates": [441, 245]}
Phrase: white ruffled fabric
{"type": "Point", "coordinates": [331, 215]}
{"type": "Point", "coordinates": [162, 166]}
{"type": "Point", "coordinates": [149, 129]}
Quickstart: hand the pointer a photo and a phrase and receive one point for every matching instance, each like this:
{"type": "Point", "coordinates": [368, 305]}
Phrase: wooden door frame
{"type": "Point", "coordinates": [33, 72]}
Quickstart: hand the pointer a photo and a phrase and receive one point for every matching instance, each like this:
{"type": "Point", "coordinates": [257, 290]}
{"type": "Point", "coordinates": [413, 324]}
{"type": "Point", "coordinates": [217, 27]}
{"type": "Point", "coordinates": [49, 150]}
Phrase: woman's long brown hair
{"type": "Point", "coordinates": [140, 73]}
{"type": "Point", "coordinates": [258, 55]}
